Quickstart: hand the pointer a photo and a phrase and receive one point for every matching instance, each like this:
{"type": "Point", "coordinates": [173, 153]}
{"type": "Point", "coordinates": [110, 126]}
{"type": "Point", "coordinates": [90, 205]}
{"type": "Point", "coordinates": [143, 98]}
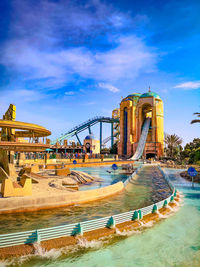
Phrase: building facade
{"type": "Point", "coordinates": [134, 109]}
{"type": "Point", "coordinates": [91, 144]}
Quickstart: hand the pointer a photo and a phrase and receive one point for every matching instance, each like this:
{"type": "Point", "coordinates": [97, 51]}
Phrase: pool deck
{"type": "Point", "coordinates": [90, 164]}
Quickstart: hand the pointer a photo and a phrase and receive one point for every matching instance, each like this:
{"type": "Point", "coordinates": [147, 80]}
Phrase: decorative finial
{"type": "Point", "coordinates": [149, 89]}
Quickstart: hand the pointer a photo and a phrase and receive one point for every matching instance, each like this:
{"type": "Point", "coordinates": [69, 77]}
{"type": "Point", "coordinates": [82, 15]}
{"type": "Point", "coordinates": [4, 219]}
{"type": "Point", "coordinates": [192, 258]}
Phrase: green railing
{"type": "Point", "coordinates": [31, 237]}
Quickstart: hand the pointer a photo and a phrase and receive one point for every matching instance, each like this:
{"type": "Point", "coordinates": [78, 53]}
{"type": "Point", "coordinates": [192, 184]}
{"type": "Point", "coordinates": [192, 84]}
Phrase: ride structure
{"type": "Point", "coordinates": [13, 132]}
{"type": "Point", "coordinates": [141, 126]}
{"type": "Point", "coordinates": [114, 121]}
{"type": "Point", "coordinates": [137, 127]}
{"type": "Point", "coordinates": [20, 137]}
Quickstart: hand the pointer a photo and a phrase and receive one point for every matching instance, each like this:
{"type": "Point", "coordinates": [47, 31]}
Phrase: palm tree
{"type": "Point", "coordinates": [173, 143]}
{"type": "Point", "coordinates": [197, 120]}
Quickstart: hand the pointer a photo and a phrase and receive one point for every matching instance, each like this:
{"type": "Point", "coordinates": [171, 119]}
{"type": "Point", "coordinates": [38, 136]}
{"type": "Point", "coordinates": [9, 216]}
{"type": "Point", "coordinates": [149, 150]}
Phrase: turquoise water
{"type": "Point", "coordinates": [105, 173]}
{"type": "Point", "coordinates": [139, 193]}
{"type": "Point", "coordinates": [174, 241]}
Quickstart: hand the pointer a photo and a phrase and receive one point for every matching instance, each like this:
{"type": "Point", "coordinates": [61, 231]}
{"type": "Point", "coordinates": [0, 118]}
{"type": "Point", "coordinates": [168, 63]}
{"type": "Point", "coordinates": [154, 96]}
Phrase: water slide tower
{"type": "Point", "coordinates": [135, 109]}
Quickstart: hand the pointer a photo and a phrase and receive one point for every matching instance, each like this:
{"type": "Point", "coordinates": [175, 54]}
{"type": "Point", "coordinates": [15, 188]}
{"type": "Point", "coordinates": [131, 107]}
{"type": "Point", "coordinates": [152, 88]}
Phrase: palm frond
{"type": "Point", "coordinates": [195, 121]}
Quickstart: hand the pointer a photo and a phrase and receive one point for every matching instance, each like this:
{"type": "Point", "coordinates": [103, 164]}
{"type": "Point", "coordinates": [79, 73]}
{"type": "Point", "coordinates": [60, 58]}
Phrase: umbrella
{"type": "Point", "coordinates": [48, 150]}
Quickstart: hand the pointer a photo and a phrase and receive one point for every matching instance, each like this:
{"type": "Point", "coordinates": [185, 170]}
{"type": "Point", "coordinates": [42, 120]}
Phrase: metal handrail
{"type": "Point", "coordinates": [30, 237]}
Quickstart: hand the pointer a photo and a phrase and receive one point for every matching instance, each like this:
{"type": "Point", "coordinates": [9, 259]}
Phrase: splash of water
{"type": "Point", "coordinates": [141, 223]}
{"type": "Point", "coordinates": [175, 208]}
{"type": "Point", "coordinates": [181, 195]}
{"type": "Point", "coordinates": [127, 232]}
{"type": "Point", "coordinates": [180, 202]}
{"type": "Point", "coordinates": [4, 263]}
{"type": "Point", "coordinates": [52, 253]}
{"type": "Point", "coordinates": [16, 261]}
{"type": "Point", "coordinates": [148, 224]}
{"type": "Point", "coordinates": [84, 243]}
{"type": "Point", "coordinates": [161, 216]}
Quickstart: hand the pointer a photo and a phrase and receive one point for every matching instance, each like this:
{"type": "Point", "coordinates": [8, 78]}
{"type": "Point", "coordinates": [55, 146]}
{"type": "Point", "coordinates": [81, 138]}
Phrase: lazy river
{"type": "Point", "coordinates": [140, 192]}
{"type": "Point", "coordinates": [174, 241]}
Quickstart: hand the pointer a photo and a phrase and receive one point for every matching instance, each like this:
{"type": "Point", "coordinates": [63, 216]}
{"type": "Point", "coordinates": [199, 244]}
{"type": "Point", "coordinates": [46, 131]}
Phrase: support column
{"type": "Point", "coordinates": [89, 129]}
{"type": "Point", "coordinates": [78, 139]}
{"type": "Point", "coordinates": [112, 138]}
{"type": "Point", "coordinates": [100, 135]}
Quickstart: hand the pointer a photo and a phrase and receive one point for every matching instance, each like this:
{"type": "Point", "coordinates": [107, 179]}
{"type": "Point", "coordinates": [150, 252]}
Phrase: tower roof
{"type": "Point", "coordinates": [150, 94]}
{"type": "Point", "coordinates": [90, 137]}
{"type": "Point", "coordinates": [134, 94]}
{"type": "Point", "coordinates": [131, 96]}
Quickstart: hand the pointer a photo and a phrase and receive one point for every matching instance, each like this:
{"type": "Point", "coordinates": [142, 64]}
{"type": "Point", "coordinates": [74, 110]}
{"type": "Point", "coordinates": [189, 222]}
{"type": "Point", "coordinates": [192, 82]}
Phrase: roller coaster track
{"type": "Point", "coordinates": [107, 139]}
{"type": "Point", "coordinates": [142, 141]}
{"type": "Point", "coordinates": [85, 125]}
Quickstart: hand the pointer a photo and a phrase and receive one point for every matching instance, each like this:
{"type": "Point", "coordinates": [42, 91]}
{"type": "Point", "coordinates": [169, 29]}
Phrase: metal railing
{"type": "Point", "coordinates": [31, 237]}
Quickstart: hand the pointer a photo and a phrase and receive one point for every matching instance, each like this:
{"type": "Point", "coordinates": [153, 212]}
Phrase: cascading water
{"type": "Point", "coordinates": [173, 242]}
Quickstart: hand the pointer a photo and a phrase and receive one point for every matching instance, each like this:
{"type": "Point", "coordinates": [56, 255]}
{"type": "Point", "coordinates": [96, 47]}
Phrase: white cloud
{"type": "Point", "coordinates": [188, 85]}
{"type": "Point", "coordinates": [108, 86]}
{"type": "Point", "coordinates": [64, 17]}
{"type": "Point", "coordinates": [23, 95]}
{"type": "Point", "coordinates": [40, 49]}
{"type": "Point", "coordinates": [55, 69]}
{"type": "Point", "coordinates": [70, 93]}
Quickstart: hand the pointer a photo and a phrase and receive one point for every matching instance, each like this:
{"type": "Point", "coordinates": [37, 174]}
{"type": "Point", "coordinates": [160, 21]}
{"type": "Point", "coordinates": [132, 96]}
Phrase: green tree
{"type": "Point", "coordinates": [191, 152]}
{"type": "Point", "coordinates": [196, 120]}
{"type": "Point", "coordinates": [173, 145]}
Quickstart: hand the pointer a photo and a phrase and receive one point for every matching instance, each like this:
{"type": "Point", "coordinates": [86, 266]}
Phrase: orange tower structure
{"type": "Point", "coordinates": [134, 110]}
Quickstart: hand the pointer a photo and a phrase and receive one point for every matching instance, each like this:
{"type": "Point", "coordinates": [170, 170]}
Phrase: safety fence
{"type": "Point", "coordinates": [31, 237]}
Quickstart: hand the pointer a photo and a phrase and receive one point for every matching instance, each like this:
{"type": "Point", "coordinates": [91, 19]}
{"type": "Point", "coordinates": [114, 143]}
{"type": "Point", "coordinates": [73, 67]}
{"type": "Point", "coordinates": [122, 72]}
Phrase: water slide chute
{"type": "Point", "coordinates": [142, 141]}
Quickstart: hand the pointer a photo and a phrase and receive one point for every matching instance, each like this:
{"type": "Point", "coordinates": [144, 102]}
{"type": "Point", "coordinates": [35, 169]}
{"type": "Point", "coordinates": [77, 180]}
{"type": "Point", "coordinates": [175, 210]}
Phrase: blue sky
{"type": "Point", "coordinates": [62, 62]}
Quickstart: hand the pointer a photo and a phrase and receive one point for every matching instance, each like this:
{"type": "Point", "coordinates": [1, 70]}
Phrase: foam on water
{"type": "Point", "coordinates": [162, 216]}
{"type": "Point", "coordinates": [4, 263]}
{"type": "Point", "coordinates": [53, 253]}
{"type": "Point", "coordinates": [148, 224]}
{"type": "Point", "coordinates": [141, 223]}
{"type": "Point", "coordinates": [127, 232]}
{"type": "Point", "coordinates": [84, 243]}
{"type": "Point", "coordinates": [19, 261]}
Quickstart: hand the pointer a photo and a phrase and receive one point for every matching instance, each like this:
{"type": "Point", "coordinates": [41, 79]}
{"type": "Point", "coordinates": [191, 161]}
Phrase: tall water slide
{"type": "Point", "coordinates": [142, 141]}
